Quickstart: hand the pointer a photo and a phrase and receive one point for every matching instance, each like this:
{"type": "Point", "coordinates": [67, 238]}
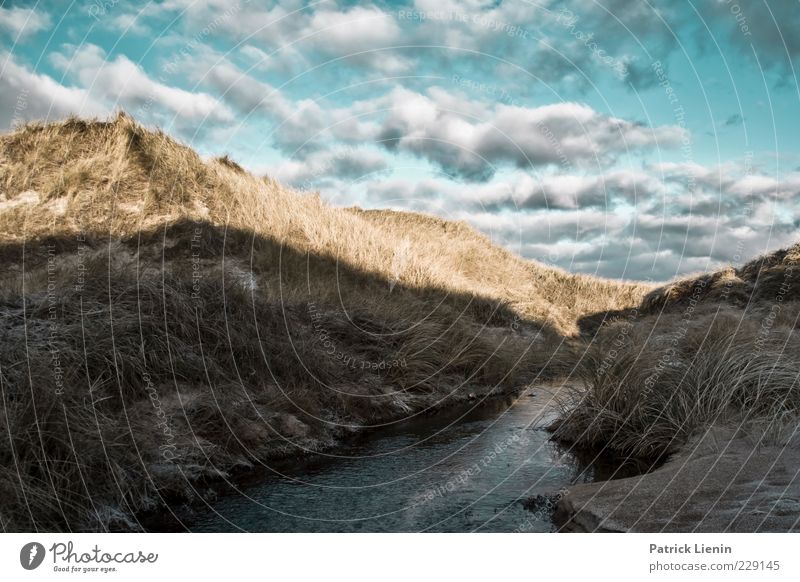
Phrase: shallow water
{"type": "Point", "coordinates": [467, 471]}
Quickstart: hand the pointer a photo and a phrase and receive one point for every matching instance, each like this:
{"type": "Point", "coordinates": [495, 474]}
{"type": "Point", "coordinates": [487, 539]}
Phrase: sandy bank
{"type": "Point", "coordinates": [723, 481]}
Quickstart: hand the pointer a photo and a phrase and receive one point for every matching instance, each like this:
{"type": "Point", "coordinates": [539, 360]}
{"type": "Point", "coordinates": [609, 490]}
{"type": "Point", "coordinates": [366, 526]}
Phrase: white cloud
{"type": "Point", "coordinates": [351, 31]}
{"type": "Point", "coordinates": [358, 35]}
{"type": "Point", "coordinates": [129, 23]}
{"type": "Point", "coordinates": [285, 61]}
{"type": "Point", "coordinates": [22, 22]}
{"type": "Point", "coordinates": [469, 147]}
{"type": "Point", "coordinates": [99, 87]}
{"type": "Point", "coordinates": [299, 34]}
{"type": "Point", "coordinates": [567, 191]}
{"type": "Point", "coordinates": [327, 167]}
{"type": "Point", "coordinates": [244, 92]}
{"type": "Point", "coordinates": [25, 95]}
{"type": "Point", "coordinates": [646, 230]}
{"type": "Point", "coordinates": [738, 179]}
{"type": "Point", "coordinates": [465, 138]}
{"type": "Point", "coordinates": [122, 83]}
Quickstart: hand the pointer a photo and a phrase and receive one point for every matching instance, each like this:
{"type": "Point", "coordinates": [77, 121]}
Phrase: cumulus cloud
{"type": "Point", "coordinates": [553, 178]}
{"type": "Point", "coordinates": [296, 122]}
{"type": "Point", "coordinates": [128, 23]}
{"type": "Point", "coordinates": [99, 86]}
{"type": "Point", "coordinates": [20, 22]}
{"type": "Point", "coordinates": [563, 42]}
{"type": "Point", "coordinates": [523, 191]}
{"type": "Point", "coordinates": [121, 82]}
{"type": "Point", "coordinates": [566, 191]}
{"type": "Point", "coordinates": [284, 61]}
{"type": "Point", "coordinates": [645, 230]}
{"type": "Point", "coordinates": [327, 168]}
{"type": "Point", "coordinates": [242, 91]}
{"type": "Point", "coordinates": [472, 148]}
{"type": "Point", "coordinates": [740, 184]}
{"type": "Point", "coordinates": [25, 95]}
{"type": "Point", "coordinates": [364, 36]}
{"type": "Point", "coordinates": [300, 34]}
{"type": "Point", "coordinates": [635, 33]}
{"type": "Point", "coordinates": [467, 138]}
{"type": "Point", "coordinates": [640, 32]}
{"type": "Point", "coordinates": [356, 34]}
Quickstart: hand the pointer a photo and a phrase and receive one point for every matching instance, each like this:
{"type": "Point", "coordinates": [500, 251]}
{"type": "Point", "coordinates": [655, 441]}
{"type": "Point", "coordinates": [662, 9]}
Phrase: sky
{"type": "Point", "coordinates": [635, 139]}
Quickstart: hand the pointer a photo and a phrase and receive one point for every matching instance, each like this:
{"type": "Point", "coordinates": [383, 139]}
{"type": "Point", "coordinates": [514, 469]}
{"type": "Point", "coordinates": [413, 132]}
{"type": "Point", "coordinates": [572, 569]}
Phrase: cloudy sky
{"type": "Point", "coordinates": [634, 139]}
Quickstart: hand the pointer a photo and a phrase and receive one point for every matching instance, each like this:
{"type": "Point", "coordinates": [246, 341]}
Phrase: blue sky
{"type": "Point", "coordinates": [641, 140]}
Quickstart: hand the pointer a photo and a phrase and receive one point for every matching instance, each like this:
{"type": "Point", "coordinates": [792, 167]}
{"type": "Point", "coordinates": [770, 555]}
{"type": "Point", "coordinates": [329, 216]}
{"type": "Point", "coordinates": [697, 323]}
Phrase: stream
{"type": "Point", "coordinates": [466, 470]}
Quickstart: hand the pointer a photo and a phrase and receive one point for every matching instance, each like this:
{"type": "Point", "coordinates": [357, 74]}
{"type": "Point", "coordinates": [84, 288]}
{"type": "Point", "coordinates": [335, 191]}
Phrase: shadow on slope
{"type": "Point", "coordinates": [131, 369]}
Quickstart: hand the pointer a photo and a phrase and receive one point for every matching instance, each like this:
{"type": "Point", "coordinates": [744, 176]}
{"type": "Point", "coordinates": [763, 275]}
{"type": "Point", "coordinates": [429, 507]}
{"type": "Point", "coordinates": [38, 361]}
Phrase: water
{"type": "Point", "coordinates": [468, 471]}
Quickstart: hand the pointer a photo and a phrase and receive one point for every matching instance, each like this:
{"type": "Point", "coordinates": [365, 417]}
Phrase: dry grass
{"type": "Point", "coordinates": [761, 280]}
{"type": "Point", "coordinates": [717, 348]}
{"type": "Point", "coordinates": [537, 291]}
{"type": "Point", "coordinates": [116, 178]}
{"type": "Point", "coordinates": [166, 319]}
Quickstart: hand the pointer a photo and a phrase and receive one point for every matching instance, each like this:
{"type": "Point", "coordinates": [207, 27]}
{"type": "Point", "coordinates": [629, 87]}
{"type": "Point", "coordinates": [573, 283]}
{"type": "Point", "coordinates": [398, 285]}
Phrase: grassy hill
{"type": "Point", "coordinates": [167, 319]}
{"type": "Point", "coordinates": [717, 348]}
